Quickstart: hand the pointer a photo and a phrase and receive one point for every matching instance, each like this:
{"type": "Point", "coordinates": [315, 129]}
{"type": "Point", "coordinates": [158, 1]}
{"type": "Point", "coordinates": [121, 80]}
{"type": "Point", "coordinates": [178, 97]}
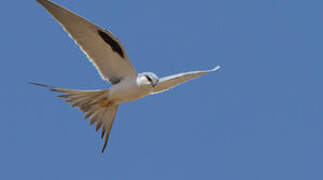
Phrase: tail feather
{"type": "Point", "coordinates": [94, 103]}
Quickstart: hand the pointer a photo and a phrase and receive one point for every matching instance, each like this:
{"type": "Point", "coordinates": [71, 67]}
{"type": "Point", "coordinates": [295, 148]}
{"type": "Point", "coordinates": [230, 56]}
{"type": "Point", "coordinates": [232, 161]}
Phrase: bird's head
{"type": "Point", "coordinates": [148, 78]}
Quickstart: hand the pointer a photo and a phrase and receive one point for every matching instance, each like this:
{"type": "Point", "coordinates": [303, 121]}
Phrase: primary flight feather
{"type": "Point", "coordinates": [108, 55]}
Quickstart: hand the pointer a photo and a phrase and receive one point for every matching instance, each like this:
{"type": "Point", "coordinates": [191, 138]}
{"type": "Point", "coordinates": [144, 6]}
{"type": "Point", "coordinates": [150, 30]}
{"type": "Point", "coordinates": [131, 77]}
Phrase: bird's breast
{"type": "Point", "coordinates": [128, 90]}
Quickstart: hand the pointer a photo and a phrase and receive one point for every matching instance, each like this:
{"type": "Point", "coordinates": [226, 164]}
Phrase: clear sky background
{"type": "Point", "coordinates": [259, 118]}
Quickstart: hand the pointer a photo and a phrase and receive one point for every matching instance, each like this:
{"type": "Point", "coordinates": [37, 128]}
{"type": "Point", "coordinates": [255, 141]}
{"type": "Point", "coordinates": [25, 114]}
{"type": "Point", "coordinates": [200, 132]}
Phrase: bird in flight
{"type": "Point", "coordinates": [107, 54]}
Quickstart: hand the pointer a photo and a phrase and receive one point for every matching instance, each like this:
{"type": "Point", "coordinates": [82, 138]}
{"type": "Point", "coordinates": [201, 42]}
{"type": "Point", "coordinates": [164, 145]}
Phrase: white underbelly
{"type": "Point", "coordinates": [128, 91]}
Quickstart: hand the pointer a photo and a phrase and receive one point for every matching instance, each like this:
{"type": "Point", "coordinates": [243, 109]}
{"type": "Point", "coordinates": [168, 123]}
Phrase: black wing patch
{"type": "Point", "coordinates": [112, 43]}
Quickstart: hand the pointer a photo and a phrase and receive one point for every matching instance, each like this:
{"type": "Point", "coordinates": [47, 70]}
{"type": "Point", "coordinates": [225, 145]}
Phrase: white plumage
{"type": "Point", "coordinates": [108, 55]}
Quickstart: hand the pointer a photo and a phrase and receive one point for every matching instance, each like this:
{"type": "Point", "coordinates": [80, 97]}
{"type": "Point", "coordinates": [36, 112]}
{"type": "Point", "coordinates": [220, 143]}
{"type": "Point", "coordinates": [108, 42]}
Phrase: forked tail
{"type": "Point", "coordinates": [95, 105]}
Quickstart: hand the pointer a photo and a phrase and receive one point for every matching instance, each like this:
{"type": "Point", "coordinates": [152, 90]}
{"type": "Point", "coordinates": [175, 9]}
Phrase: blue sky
{"type": "Point", "coordinates": [258, 118]}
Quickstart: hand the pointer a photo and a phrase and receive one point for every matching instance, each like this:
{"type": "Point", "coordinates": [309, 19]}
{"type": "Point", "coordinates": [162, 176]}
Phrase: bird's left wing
{"type": "Point", "coordinates": [103, 49]}
{"type": "Point", "coordinates": [168, 82]}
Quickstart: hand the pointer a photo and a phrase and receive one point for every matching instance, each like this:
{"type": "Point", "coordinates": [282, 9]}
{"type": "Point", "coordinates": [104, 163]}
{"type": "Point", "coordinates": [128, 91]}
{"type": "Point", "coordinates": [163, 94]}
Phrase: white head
{"type": "Point", "coordinates": [147, 78]}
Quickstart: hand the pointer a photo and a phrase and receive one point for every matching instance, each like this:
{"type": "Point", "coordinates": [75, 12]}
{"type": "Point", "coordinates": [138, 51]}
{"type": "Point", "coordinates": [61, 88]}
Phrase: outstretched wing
{"type": "Point", "coordinates": [103, 49]}
{"type": "Point", "coordinates": [168, 82]}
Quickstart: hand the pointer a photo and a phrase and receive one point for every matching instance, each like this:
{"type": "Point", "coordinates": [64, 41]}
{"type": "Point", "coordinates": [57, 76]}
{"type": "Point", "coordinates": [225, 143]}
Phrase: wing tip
{"type": "Point", "coordinates": [216, 68]}
{"type": "Point", "coordinates": [42, 2]}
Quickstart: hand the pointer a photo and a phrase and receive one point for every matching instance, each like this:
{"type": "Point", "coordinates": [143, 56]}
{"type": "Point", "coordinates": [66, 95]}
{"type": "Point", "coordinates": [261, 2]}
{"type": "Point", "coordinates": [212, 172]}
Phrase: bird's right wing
{"type": "Point", "coordinates": [103, 49]}
{"type": "Point", "coordinates": [168, 82]}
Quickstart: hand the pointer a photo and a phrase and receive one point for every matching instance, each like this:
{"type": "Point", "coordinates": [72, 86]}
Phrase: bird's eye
{"type": "Point", "coordinates": [149, 79]}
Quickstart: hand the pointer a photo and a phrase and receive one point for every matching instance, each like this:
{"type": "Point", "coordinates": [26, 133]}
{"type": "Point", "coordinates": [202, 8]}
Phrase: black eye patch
{"type": "Point", "coordinates": [149, 79]}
